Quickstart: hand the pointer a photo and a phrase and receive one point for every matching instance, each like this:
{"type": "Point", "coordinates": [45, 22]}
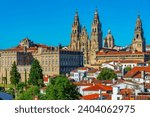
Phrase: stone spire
{"type": "Point", "coordinates": [96, 38]}
{"type": "Point", "coordinates": [138, 43]}
{"type": "Point", "coordinates": [96, 34]}
{"type": "Point", "coordinates": [76, 19]}
{"type": "Point", "coordinates": [76, 30]}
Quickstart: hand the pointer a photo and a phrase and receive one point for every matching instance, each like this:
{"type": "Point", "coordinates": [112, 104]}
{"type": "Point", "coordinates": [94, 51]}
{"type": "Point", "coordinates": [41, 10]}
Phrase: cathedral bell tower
{"type": "Point", "coordinates": [76, 30]}
{"type": "Point", "coordinates": [138, 42]}
{"type": "Point", "coordinates": [96, 34]}
{"type": "Point", "coordinates": [96, 38]}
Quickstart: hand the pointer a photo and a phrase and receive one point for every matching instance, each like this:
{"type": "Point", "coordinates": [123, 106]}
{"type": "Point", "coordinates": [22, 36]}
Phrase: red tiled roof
{"type": "Point", "coordinates": [142, 97]}
{"type": "Point", "coordinates": [83, 84]}
{"type": "Point", "coordinates": [93, 71]}
{"type": "Point", "coordinates": [90, 97]}
{"type": "Point", "coordinates": [135, 70]}
{"type": "Point", "coordinates": [126, 98]}
{"type": "Point", "coordinates": [98, 87]}
{"type": "Point", "coordinates": [82, 68]}
{"type": "Point", "coordinates": [126, 91]}
{"type": "Point", "coordinates": [96, 96]}
{"type": "Point", "coordinates": [102, 81]}
{"type": "Point", "coordinates": [137, 75]}
{"type": "Point", "coordinates": [130, 61]}
{"type": "Point", "coordinates": [20, 48]}
{"type": "Point", "coordinates": [118, 53]}
{"type": "Point", "coordinates": [125, 61]}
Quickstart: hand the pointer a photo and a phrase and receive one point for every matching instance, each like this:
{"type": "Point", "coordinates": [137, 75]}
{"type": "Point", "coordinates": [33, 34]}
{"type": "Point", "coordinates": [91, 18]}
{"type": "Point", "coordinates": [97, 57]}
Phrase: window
{"type": "Point", "coordinates": [137, 36]}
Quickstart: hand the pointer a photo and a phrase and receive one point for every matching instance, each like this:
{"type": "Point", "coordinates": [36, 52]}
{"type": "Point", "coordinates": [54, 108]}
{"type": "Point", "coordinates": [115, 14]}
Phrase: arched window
{"type": "Point", "coordinates": [137, 36]}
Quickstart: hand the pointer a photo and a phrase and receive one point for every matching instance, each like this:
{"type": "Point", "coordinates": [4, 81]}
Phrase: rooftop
{"type": "Point", "coordinates": [98, 87]}
{"type": "Point", "coordinates": [119, 53]}
{"type": "Point", "coordinates": [136, 71]}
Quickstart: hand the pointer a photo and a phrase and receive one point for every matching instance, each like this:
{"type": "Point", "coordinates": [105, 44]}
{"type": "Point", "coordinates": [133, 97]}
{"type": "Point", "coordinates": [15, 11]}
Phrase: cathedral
{"type": "Point", "coordinates": [80, 40]}
{"type": "Point", "coordinates": [92, 46]}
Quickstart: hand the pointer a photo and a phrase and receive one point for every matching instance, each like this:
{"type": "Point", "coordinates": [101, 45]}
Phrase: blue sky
{"type": "Point", "coordinates": [49, 21]}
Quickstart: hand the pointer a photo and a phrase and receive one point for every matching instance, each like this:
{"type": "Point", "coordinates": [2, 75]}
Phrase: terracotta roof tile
{"type": "Point", "coordinates": [126, 91]}
{"type": "Point", "coordinates": [135, 70]}
{"type": "Point", "coordinates": [98, 87]}
{"type": "Point", "coordinates": [90, 97]}
{"type": "Point", "coordinates": [118, 53]}
{"type": "Point", "coordinates": [142, 97]}
{"type": "Point", "coordinates": [93, 71]}
{"type": "Point", "coordinates": [83, 84]}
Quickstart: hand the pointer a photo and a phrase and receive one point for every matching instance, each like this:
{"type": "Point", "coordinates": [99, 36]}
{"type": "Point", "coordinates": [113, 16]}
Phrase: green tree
{"type": "Point", "coordinates": [14, 75]}
{"type": "Point", "coordinates": [29, 94]}
{"type": "Point", "coordinates": [36, 74]}
{"type": "Point", "coordinates": [20, 87]}
{"type": "Point", "coordinates": [128, 68]}
{"type": "Point", "coordinates": [60, 88]}
{"type": "Point", "coordinates": [106, 74]}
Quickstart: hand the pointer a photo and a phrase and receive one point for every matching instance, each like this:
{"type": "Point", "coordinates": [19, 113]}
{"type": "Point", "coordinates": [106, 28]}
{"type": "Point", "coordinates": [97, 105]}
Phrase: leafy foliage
{"type": "Point", "coordinates": [20, 87]}
{"type": "Point", "coordinates": [106, 74]}
{"type": "Point", "coordinates": [60, 88]}
{"type": "Point", "coordinates": [14, 75]}
{"type": "Point", "coordinates": [30, 93]}
{"type": "Point", "coordinates": [36, 75]}
{"type": "Point", "coordinates": [128, 68]}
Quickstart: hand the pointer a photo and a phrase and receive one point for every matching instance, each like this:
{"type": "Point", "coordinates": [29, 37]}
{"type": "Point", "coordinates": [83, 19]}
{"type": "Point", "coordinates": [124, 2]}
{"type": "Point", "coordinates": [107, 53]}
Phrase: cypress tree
{"type": "Point", "coordinates": [14, 75]}
{"type": "Point", "coordinates": [35, 74]}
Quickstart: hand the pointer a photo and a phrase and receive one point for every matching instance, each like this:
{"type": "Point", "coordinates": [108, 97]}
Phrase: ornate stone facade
{"type": "Point", "coordinates": [95, 54]}
{"type": "Point", "coordinates": [137, 50]}
{"type": "Point", "coordinates": [80, 40]}
{"type": "Point", "coordinates": [138, 42]}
